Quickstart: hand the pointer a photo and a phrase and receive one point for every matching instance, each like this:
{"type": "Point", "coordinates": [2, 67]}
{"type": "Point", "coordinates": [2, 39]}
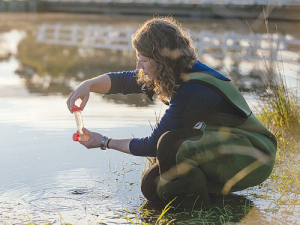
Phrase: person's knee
{"type": "Point", "coordinates": [149, 183]}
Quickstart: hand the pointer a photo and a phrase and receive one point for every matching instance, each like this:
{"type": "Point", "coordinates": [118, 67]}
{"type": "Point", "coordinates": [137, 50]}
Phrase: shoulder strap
{"type": "Point", "coordinates": [224, 87]}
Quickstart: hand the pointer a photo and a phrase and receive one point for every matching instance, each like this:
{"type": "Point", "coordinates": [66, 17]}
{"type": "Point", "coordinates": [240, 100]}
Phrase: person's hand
{"type": "Point", "coordinates": [82, 92]}
{"type": "Point", "coordinates": [94, 141]}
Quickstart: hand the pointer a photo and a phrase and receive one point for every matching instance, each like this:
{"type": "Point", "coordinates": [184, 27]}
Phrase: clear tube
{"type": "Point", "coordinates": [79, 121]}
{"type": "Point", "coordinates": [79, 136]}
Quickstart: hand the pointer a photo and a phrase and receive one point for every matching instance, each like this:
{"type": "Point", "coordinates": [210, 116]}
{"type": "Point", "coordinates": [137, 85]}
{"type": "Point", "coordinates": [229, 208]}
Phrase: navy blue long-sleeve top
{"type": "Point", "coordinates": [192, 103]}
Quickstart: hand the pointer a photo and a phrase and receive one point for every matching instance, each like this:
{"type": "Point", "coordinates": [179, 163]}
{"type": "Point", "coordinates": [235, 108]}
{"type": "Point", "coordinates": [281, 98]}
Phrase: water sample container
{"type": "Point", "coordinates": [79, 136]}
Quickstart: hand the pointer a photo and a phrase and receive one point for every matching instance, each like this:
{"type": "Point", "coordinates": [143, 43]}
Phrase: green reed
{"type": "Point", "coordinates": [281, 108]}
{"type": "Point", "coordinates": [281, 114]}
{"type": "Point", "coordinates": [226, 209]}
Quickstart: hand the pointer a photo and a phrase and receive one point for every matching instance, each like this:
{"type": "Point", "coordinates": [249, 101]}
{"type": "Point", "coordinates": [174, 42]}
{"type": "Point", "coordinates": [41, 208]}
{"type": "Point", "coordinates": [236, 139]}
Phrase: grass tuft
{"type": "Point", "coordinates": [281, 109]}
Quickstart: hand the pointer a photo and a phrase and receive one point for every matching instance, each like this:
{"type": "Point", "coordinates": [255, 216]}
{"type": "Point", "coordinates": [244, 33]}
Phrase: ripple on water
{"type": "Point", "coordinates": [67, 192]}
{"type": "Point", "coordinates": [79, 195]}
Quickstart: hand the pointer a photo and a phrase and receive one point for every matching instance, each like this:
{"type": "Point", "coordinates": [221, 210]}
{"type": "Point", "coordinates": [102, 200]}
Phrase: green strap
{"type": "Point", "coordinates": [224, 87]}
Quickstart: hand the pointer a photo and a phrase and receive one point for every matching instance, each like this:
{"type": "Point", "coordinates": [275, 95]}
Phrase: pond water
{"type": "Point", "coordinates": [45, 176]}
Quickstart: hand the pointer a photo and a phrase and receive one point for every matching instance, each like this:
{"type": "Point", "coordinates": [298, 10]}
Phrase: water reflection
{"type": "Point", "coordinates": [58, 70]}
{"type": "Point", "coordinates": [238, 46]}
{"type": "Point", "coordinates": [61, 60]}
{"type": "Point", "coordinates": [132, 100]}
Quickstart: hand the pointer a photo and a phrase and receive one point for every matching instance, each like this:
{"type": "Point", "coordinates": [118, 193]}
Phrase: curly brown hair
{"type": "Point", "coordinates": [165, 41]}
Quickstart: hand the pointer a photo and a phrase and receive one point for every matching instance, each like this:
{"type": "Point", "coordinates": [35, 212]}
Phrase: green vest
{"type": "Point", "coordinates": [250, 126]}
{"type": "Point", "coordinates": [228, 157]}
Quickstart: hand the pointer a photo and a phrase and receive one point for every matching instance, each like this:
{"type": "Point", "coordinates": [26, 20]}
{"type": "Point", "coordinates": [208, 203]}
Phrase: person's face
{"type": "Point", "coordinates": [146, 64]}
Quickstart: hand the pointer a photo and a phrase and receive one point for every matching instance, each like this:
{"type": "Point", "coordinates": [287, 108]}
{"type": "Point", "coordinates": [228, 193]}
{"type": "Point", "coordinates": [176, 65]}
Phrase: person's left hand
{"type": "Point", "coordinates": [94, 141]}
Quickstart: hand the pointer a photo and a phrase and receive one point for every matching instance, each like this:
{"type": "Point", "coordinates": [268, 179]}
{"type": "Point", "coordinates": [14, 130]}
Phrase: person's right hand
{"type": "Point", "coordinates": [94, 140]}
{"type": "Point", "coordinates": [82, 92]}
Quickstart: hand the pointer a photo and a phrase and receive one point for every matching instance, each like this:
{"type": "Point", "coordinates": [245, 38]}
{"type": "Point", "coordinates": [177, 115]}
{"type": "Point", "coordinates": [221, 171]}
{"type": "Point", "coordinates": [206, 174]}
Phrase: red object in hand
{"type": "Point", "coordinates": [80, 137]}
{"type": "Point", "coordinates": [76, 108]}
